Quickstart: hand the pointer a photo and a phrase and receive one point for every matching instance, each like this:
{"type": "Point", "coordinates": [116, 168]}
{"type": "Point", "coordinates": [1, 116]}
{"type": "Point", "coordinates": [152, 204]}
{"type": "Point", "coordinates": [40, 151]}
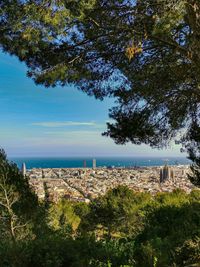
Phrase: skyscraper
{"type": "Point", "coordinates": [94, 163]}
{"type": "Point", "coordinates": [23, 169]}
{"type": "Point", "coordinates": [166, 173]}
{"type": "Point", "coordinates": [84, 164]}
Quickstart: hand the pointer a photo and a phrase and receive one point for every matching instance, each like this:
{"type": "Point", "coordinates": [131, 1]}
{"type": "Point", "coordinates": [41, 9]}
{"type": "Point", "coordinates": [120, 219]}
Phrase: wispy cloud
{"type": "Point", "coordinates": [63, 123]}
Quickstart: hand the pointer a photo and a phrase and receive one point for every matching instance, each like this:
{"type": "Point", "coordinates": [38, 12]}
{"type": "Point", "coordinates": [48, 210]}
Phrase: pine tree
{"type": "Point", "coordinates": [193, 148]}
{"type": "Point", "coordinates": [17, 202]}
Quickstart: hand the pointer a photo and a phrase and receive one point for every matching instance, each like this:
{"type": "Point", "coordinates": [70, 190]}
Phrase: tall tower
{"type": "Point", "coordinates": [94, 164]}
{"type": "Point", "coordinates": [172, 174]}
{"type": "Point", "coordinates": [84, 164]}
{"type": "Point", "coordinates": [166, 173]}
{"type": "Point", "coordinates": [23, 169]}
{"type": "Point", "coordinates": [161, 175]}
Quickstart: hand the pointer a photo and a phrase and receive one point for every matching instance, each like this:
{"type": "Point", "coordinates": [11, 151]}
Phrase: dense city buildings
{"type": "Point", "coordinates": [84, 184]}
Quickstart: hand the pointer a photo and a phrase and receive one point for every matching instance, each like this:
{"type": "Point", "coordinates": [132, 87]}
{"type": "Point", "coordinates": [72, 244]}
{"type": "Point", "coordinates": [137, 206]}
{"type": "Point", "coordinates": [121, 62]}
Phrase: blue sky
{"type": "Point", "coordinates": [61, 121]}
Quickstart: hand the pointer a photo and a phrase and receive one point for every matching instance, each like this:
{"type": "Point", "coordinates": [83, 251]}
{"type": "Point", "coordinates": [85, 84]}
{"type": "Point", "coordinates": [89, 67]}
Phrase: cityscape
{"type": "Point", "coordinates": [84, 184]}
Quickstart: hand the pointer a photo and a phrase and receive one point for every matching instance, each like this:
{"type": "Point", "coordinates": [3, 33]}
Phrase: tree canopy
{"type": "Point", "coordinates": [145, 54]}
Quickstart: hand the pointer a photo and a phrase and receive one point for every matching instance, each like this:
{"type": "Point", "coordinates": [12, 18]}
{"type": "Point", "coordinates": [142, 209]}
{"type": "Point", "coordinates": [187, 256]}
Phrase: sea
{"type": "Point", "coordinates": [79, 162]}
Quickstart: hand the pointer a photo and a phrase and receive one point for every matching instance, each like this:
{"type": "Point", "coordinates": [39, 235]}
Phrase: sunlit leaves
{"type": "Point", "coordinates": [131, 51]}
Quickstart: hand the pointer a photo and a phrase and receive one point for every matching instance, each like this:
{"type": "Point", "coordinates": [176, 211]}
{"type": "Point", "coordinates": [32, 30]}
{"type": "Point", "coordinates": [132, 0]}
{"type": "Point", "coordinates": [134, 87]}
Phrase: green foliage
{"type": "Point", "coordinates": [61, 217]}
{"type": "Point", "coordinates": [18, 204]}
{"type": "Point", "coordinates": [119, 212]}
{"type": "Point", "coordinates": [189, 252]}
{"type": "Point", "coordinates": [192, 144]}
{"type": "Point", "coordinates": [174, 219]}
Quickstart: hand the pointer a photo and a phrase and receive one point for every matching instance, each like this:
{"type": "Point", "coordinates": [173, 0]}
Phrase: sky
{"type": "Point", "coordinates": [57, 122]}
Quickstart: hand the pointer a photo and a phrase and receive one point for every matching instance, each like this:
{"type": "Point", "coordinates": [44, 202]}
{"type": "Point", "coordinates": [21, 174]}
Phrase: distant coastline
{"type": "Point", "coordinates": [78, 162]}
